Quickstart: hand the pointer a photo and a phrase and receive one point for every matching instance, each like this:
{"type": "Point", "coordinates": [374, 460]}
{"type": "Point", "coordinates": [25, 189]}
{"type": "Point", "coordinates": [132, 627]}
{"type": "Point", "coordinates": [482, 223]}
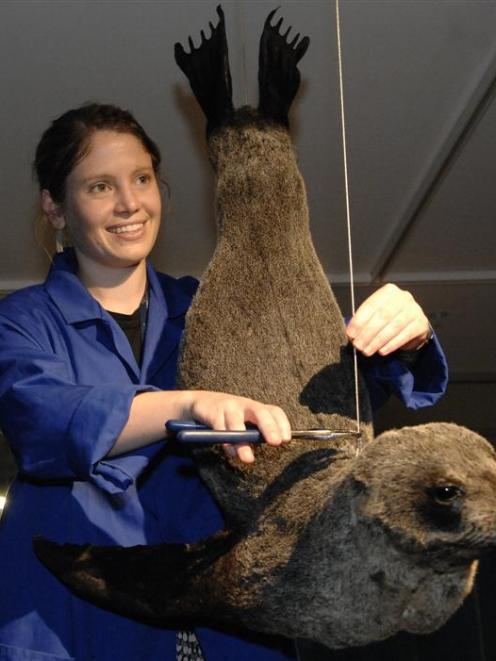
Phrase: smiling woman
{"type": "Point", "coordinates": [111, 211]}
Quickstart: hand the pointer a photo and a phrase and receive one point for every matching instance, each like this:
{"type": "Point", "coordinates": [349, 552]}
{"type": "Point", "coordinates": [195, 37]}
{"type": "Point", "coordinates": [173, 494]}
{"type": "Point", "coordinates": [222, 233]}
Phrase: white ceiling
{"type": "Point", "coordinates": [421, 132]}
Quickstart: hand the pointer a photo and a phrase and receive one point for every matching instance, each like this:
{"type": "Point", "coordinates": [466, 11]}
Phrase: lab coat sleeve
{"type": "Point", "coordinates": [417, 385]}
{"type": "Point", "coordinates": [58, 429]}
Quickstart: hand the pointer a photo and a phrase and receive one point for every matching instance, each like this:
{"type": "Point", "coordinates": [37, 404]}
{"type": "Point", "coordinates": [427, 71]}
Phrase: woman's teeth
{"type": "Point", "coordinates": [126, 228]}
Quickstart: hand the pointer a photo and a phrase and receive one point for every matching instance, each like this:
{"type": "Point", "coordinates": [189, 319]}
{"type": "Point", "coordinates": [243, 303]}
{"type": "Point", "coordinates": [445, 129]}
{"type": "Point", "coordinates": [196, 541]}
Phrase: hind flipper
{"type": "Point", "coordinates": [278, 75]}
{"type": "Point", "coordinates": [207, 69]}
{"type": "Point", "coordinates": [160, 585]}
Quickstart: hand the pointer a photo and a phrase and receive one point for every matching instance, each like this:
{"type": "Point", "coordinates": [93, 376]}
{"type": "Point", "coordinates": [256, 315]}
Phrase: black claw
{"type": "Point", "coordinates": [301, 49]}
{"type": "Point", "coordinates": [270, 16]}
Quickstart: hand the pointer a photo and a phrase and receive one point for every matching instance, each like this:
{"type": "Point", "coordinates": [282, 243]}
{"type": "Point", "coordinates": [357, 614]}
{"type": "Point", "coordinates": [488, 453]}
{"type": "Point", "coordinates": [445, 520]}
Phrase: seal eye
{"type": "Point", "coordinates": [443, 506]}
{"type": "Point", "coordinates": [446, 494]}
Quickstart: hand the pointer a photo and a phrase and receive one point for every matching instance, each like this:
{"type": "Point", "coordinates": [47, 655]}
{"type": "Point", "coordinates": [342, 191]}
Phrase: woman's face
{"type": "Point", "coordinates": [112, 204]}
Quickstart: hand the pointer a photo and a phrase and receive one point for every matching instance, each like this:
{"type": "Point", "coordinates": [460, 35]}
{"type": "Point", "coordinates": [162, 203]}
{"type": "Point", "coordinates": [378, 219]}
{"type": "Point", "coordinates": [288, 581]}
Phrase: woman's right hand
{"type": "Point", "coordinates": [222, 411]}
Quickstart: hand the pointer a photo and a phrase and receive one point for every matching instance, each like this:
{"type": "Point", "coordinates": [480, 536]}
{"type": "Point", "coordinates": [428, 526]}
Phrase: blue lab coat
{"type": "Point", "coordinates": [67, 380]}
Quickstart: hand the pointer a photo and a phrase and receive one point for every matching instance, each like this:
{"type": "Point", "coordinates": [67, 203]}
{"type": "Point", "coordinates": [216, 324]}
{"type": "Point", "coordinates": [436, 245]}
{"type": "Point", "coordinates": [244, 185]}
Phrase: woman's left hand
{"type": "Point", "coordinates": [388, 320]}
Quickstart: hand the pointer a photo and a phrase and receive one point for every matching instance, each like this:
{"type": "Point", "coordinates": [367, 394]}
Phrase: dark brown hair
{"type": "Point", "coordinates": [66, 141]}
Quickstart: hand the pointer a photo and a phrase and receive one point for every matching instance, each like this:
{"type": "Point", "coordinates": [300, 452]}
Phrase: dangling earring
{"type": "Point", "coordinates": [59, 241]}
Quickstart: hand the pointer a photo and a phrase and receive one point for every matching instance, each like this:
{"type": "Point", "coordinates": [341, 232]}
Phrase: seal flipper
{"type": "Point", "coordinates": [278, 75]}
{"type": "Point", "coordinates": [207, 69]}
{"type": "Point", "coordinates": [164, 584]}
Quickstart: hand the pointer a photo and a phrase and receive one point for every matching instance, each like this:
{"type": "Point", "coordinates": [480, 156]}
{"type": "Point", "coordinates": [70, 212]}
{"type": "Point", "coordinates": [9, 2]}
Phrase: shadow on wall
{"type": "Point", "coordinates": [465, 403]}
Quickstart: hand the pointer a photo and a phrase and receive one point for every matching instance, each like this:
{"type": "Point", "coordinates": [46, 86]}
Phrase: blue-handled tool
{"type": "Point", "coordinates": [189, 431]}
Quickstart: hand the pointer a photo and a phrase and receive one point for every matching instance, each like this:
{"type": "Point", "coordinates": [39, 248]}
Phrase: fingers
{"type": "Point", "coordinates": [270, 420]}
{"type": "Point", "coordinates": [243, 452]}
{"type": "Point", "coordinates": [234, 420]}
{"type": "Point", "coordinates": [390, 319]}
{"type": "Point", "coordinates": [229, 412]}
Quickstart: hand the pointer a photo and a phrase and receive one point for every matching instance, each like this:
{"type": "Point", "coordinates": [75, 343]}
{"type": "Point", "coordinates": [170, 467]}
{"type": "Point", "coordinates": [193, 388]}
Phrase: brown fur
{"type": "Point", "coordinates": [282, 334]}
{"type": "Point", "coordinates": [349, 550]}
{"type": "Point", "coordinates": [265, 323]}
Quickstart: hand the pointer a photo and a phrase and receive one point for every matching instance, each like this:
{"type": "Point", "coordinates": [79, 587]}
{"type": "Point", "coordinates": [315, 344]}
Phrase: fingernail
{"type": "Point", "coordinates": [246, 455]}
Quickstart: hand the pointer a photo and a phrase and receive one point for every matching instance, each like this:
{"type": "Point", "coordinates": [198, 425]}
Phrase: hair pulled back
{"type": "Point", "coordinates": [67, 140]}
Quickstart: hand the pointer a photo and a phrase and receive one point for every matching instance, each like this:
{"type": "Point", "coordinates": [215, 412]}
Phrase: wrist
{"type": "Point", "coordinates": [410, 356]}
{"type": "Point", "coordinates": [419, 342]}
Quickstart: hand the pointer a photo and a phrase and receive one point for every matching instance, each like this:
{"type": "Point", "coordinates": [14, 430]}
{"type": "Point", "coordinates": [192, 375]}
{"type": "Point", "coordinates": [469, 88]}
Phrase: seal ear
{"type": "Point", "coordinates": [207, 69]}
{"type": "Point", "coordinates": [278, 75]}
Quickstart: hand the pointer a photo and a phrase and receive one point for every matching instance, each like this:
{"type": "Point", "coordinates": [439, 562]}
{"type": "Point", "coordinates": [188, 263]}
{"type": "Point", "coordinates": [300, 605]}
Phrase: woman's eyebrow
{"type": "Point", "coordinates": [104, 175]}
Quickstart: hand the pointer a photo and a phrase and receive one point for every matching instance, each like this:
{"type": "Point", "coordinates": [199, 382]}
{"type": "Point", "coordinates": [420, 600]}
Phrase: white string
{"type": "Point", "coordinates": [348, 215]}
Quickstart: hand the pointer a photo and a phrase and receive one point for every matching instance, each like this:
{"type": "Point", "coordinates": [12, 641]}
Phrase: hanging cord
{"type": "Point", "coordinates": [348, 215]}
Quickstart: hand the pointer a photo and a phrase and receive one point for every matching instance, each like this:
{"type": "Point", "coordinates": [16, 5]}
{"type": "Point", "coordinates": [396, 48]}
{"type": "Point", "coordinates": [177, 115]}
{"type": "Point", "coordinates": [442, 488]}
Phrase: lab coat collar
{"type": "Point", "coordinates": [68, 292]}
{"type": "Point", "coordinates": [76, 304]}
{"type": "Point", "coordinates": [167, 301]}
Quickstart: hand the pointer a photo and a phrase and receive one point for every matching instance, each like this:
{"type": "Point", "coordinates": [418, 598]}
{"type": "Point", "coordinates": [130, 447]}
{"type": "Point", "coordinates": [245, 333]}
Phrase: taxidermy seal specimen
{"type": "Point", "coordinates": [320, 543]}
